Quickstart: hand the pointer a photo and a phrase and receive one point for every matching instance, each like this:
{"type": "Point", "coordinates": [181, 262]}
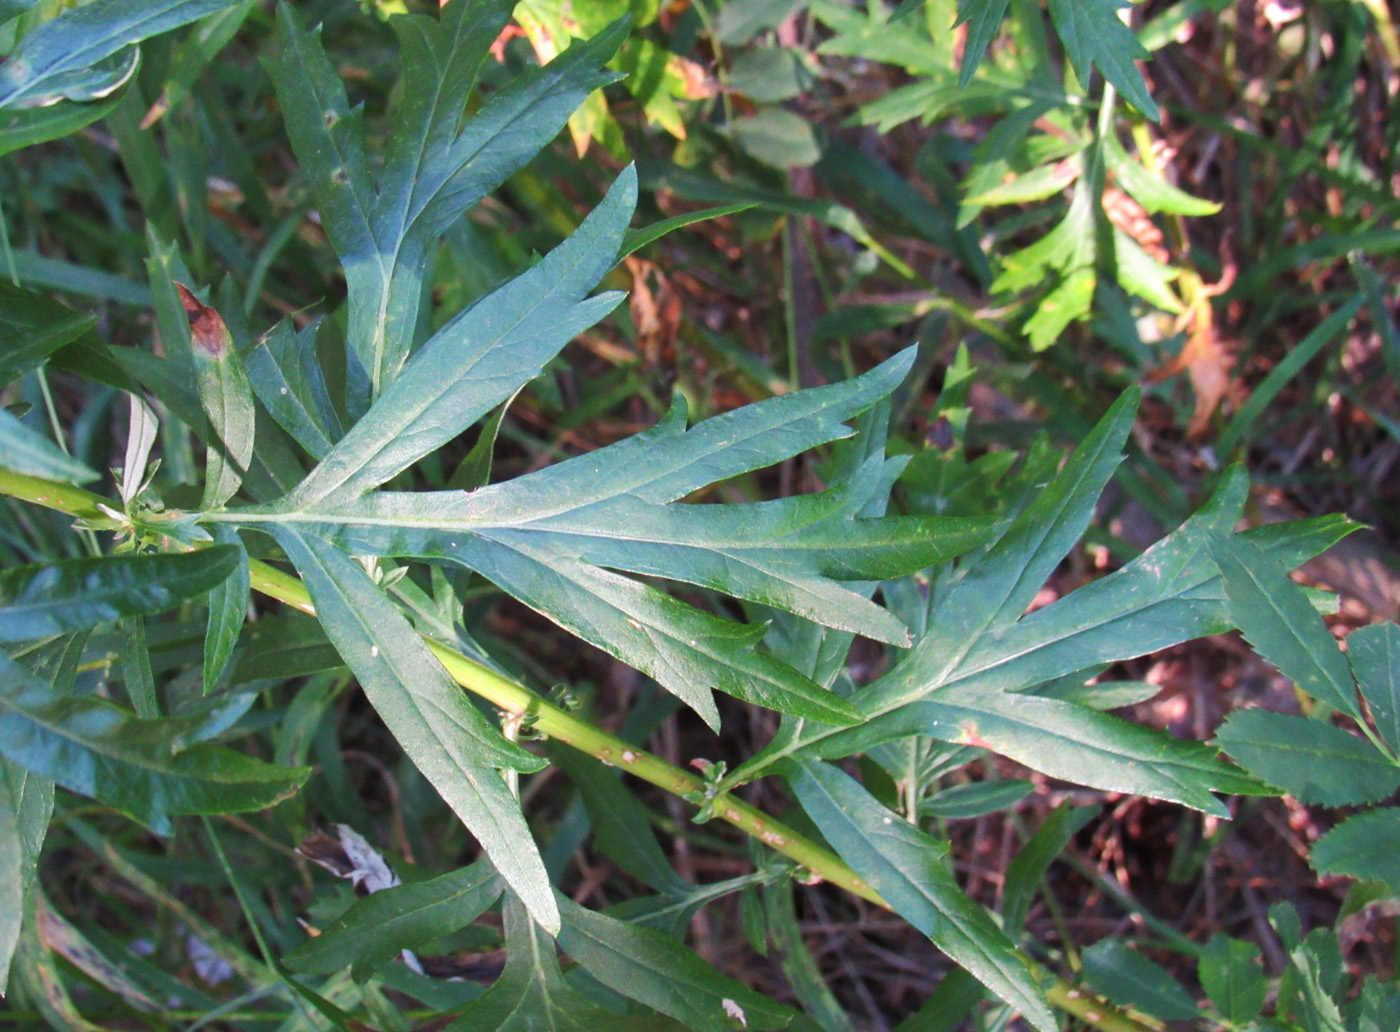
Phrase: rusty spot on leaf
{"type": "Point", "coordinates": [208, 332]}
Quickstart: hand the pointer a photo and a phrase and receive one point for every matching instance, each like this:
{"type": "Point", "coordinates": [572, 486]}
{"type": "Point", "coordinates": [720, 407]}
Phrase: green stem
{"type": "Point", "coordinates": [519, 702]}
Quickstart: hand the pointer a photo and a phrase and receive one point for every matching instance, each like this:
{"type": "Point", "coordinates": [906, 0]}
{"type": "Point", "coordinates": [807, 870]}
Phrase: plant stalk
{"type": "Point", "coordinates": [519, 703]}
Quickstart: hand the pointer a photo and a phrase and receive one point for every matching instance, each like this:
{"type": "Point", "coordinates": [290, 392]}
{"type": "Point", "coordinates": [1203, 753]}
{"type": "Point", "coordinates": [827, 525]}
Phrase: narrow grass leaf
{"type": "Point", "coordinates": [1276, 618]}
{"type": "Point", "coordinates": [975, 799]}
{"type": "Point", "coordinates": [904, 866]}
{"type": "Point", "coordinates": [441, 730]}
{"type": "Point", "coordinates": [1311, 761]}
{"type": "Point", "coordinates": [76, 594]}
{"type": "Point", "coordinates": [377, 928]}
{"type": "Point", "coordinates": [33, 326]}
{"type": "Point", "coordinates": [635, 239]}
{"type": "Point", "coordinates": [1302, 353]}
{"type": "Point", "coordinates": [622, 829]}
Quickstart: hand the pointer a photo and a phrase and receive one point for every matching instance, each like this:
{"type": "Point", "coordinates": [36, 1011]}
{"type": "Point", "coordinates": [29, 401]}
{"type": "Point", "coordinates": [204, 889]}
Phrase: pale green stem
{"type": "Point", "coordinates": [519, 703]}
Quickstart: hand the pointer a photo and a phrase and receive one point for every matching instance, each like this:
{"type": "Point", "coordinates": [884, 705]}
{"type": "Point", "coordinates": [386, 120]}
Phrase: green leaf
{"type": "Point", "coordinates": [621, 828]}
{"type": "Point", "coordinates": [1094, 34]}
{"type": "Point", "coordinates": [1143, 274]}
{"type": "Point", "coordinates": [26, 127]}
{"type": "Point", "coordinates": [531, 995]}
{"type": "Point", "coordinates": [1035, 185]}
{"type": "Point", "coordinates": [963, 802]}
{"type": "Point", "coordinates": [778, 137]}
{"type": "Point", "coordinates": [45, 600]}
{"type": "Point", "coordinates": [288, 379]}
{"type": "Point", "coordinates": [657, 971]}
{"type": "Point", "coordinates": [996, 590]}
{"type": "Point", "coordinates": [1026, 872]}
{"type": "Point", "coordinates": [226, 395]}
{"type": "Point", "coordinates": [635, 239]}
{"type": "Point", "coordinates": [769, 75]}
{"type": "Point", "coordinates": [439, 728]}
{"type": "Point", "coordinates": [27, 451]}
{"type": "Point", "coordinates": [904, 866]}
{"type": "Point", "coordinates": [696, 186]}
{"type": "Point", "coordinates": [137, 766]}
{"type": "Point", "coordinates": [552, 537]}
{"type": "Point", "coordinates": [1169, 594]}
{"type": "Point", "coordinates": [1231, 976]}
{"type": "Point", "coordinates": [1290, 366]}
{"type": "Point", "coordinates": [1155, 194]}
{"type": "Point", "coordinates": [1278, 620]}
{"type": "Point", "coordinates": [33, 326]}
{"type": "Point", "coordinates": [1374, 655]}
{"type": "Point", "coordinates": [1069, 247]}
{"type": "Point", "coordinates": [983, 18]}
{"type": "Point", "coordinates": [1084, 746]}
{"type": "Point", "coordinates": [377, 928]}
{"type": "Point", "coordinates": [480, 358]}
{"type": "Point", "coordinates": [1317, 1010]}
{"type": "Point", "coordinates": [136, 669]}
{"type": "Point", "coordinates": [26, 805]}
{"type": "Point", "coordinates": [1071, 299]}
{"type": "Point", "coordinates": [57, 58]}
{"type": "Point", "coordinates": [1129, 979]}
{"type": "Point", "coordinates": [435, 167]}
{"type": "Point", "coordinates": [1311, 761]}
{"type": "Point", "coordinates": [228, 606]}
{"type": "Point", "coordinates": [1364, 846]}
